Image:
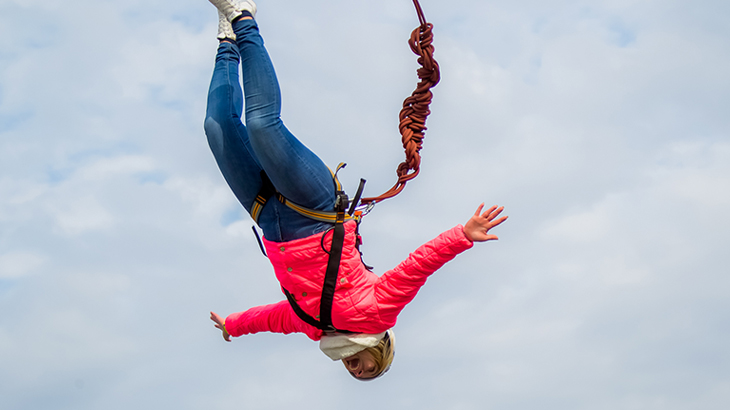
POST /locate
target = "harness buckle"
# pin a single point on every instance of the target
(341, 202)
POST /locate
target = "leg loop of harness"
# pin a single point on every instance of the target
(268, 190)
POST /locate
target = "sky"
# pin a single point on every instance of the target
(601, 126)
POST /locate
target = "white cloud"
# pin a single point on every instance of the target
(18, 264)
(585, 226)
(80, 215)
(209, 198)
(106, 168)
(696, 172)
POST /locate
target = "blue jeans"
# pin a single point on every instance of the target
(264, 143)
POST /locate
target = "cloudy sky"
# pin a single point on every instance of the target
(602, 126)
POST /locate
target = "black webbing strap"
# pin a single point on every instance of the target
(333, 263)
(301, 313)
(258, 239)
(356, 199)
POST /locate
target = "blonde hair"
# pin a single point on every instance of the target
(383, 354)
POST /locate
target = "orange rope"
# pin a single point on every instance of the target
(416, 107)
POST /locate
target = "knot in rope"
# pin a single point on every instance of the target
(416, 107)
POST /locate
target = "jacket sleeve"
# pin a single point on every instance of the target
(397, 287)
(277, 318)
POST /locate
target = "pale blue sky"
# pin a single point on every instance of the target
(600, 125)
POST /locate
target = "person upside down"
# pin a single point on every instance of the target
(263, 153)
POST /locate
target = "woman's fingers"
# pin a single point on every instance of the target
(499, 221)
(479, 210)
(488, 211)
(220, 325)
(493, 212)
(216, 318)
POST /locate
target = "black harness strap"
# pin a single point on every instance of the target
(301, 313)
(333, 263)
(258, 239)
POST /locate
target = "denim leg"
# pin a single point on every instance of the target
(294, 170)
(227, 136)
(232, 148)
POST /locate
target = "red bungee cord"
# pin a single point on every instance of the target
(416, 107)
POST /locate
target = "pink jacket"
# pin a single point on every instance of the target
(364, 302)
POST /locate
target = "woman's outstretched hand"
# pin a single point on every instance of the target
(478, 226)
(220, 323)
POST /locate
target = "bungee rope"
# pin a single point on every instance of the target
(415, 108)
